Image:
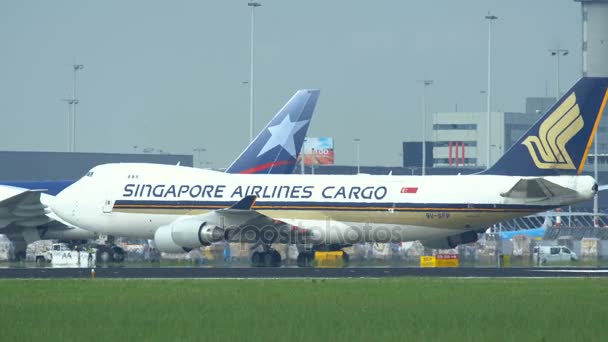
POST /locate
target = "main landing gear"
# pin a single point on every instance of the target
(268, 258)
(111, 253)
(305, 258)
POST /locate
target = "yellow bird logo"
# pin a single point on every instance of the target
(548, 149)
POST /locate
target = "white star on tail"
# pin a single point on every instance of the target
(282, 135)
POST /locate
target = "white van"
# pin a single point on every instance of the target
(554, 253)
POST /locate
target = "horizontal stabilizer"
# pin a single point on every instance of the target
(245, 204)
(537, 189)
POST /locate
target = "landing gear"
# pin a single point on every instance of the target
(17, 251)
(345, 258)
(107, 254)
(305, 258)
(19, 256)
(103, 254)
(269, 258)
(40, 261)
(118, 254)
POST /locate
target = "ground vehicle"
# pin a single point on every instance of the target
(553, 253)
(61, 255)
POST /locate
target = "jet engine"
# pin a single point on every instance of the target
(451, 241)
(184, 235)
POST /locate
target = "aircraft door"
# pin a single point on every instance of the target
(107, 205)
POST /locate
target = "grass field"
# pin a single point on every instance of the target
(313, 310)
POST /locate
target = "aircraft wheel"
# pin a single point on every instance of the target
(118, 254)
(345, 258)
(20, 256)
(104, 255)
(275, 258)
(305, 259)
(256, 259)
(40, 261)
(267, 259)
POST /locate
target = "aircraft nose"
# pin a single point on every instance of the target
(64, 204)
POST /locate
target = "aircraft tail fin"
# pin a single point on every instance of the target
(559, 142)
(276, 148)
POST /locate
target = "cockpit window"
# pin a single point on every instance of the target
(90, 174)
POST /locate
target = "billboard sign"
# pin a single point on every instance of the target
(318, 151)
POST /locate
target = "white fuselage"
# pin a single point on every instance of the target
(134, 200)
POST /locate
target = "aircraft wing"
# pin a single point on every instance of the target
(241, 217)
(24, 215)
(537, 189)
(23, 209)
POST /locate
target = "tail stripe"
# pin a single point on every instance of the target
(595, 126)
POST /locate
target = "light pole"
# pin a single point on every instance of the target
(302, 155)
(70, 102)
(490, 18)
(483, 99)
(557, 53)
(357, 151)
(253, 5)
(425, 84)
(75, 67)
(312, 161)
(198, 150)
(596, 222)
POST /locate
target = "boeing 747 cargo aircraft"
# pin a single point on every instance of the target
(183, 208)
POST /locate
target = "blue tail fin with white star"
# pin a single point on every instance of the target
(275, 150)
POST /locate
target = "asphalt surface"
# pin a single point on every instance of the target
(287, 272)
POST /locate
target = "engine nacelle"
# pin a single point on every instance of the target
(184, 235)
(451, 241)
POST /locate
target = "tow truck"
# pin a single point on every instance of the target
(60, 255)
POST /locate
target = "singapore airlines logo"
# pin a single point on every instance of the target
(548, 149)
